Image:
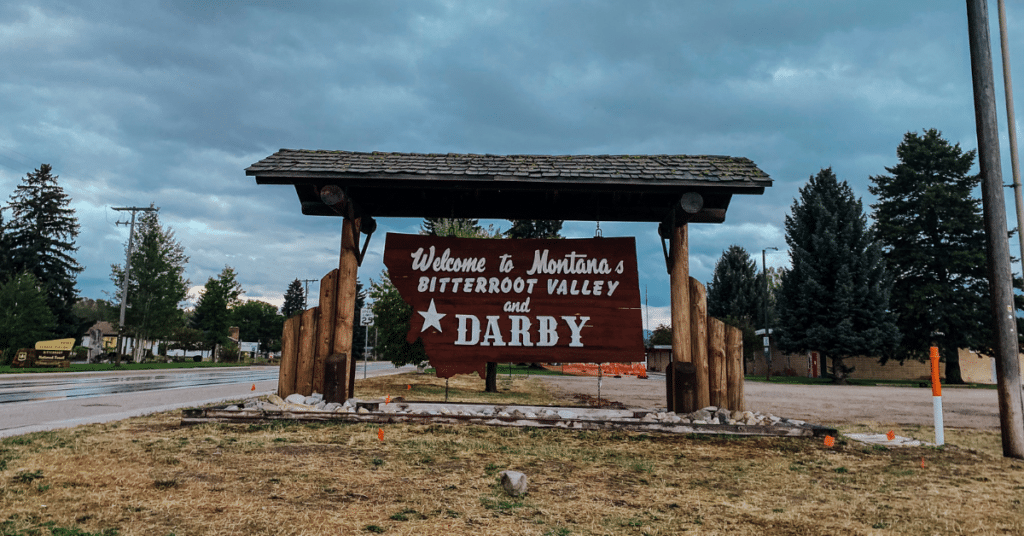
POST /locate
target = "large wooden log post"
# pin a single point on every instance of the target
(304, 366)
(324, 330)
(734, 367)
(289, 357)
(699, 342)
(683, 399)
(345, 304)
(717, 378)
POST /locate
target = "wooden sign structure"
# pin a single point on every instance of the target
(55, 353)
(673, 190)
(518, 301)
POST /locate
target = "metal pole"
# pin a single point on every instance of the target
(1011, 413)
(767, 336)
(127, 271)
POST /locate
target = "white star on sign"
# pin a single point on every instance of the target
(431, 317)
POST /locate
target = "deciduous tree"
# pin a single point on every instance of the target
(835, 299)
(258, 321)
(391, 318)
(212, 315)
(25, 317)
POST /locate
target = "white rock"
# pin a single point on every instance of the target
(295, 398)
(514, 482)
(566, 414)
(362, 411)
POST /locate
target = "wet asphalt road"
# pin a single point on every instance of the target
(56, 386)
(35, 402)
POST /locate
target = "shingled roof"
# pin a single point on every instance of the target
(573, 187)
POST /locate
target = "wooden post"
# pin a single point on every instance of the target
(345, 304)
(717, 378)
(679, 283)
(1000, 276)
(304, 366)
(699, 342)
(324, 329)
(734, 368)
(289, 357)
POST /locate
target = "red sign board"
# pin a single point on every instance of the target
(518, 301)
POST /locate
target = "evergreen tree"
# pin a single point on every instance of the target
(212, 314)
(733, 290)
(5, 269)
(294, 299)
(933, 236)
(156, 281)
(460, 227)
(835, 299)
(40, 239)
(534, 229)
(25, 317)
(736, 295)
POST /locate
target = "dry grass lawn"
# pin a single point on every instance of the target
(149, 476)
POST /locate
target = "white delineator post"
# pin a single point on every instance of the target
(936, 396)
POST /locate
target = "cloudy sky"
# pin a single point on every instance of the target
(141, 102)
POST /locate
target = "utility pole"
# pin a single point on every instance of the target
(127, 271)
(1011, 413)
(305, 293)
(767, 332)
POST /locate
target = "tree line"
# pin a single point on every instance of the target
(913, 278)
(38, 279)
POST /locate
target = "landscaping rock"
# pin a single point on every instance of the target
(295, 399)
(514, 482)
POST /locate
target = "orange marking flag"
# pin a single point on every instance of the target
(890, 435)
(380, 434)
(829, 441)
(253, 387)
(387, 400)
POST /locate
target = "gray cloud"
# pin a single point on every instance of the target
(168, 102)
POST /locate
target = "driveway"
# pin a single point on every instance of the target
(820, 404)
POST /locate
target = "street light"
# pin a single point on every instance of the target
(767, 332)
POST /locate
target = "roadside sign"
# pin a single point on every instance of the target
(366, 316)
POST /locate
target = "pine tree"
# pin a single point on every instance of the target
(294, 299)
(25, 318)
(933, 236)
(534, 229)
(460, 227)
(40, 239)
(733, 290)
(735, 295)
(212, 314)
(835, 299)
(156, 281)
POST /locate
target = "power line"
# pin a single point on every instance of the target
(305, 293)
